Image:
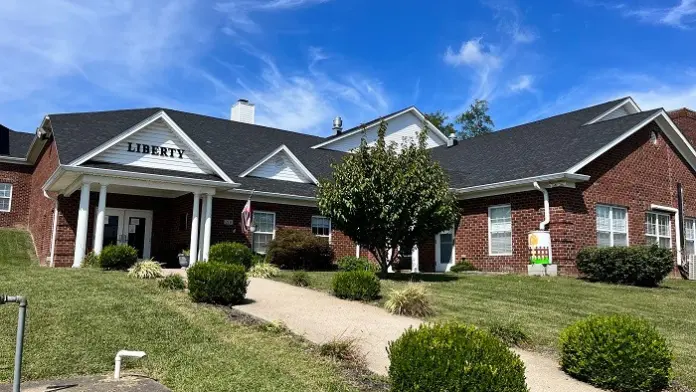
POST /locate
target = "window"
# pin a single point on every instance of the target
(612, 226)
(657, 230)
(5, 197)
(321, 227)
(265, 230)
(500, 230)
(690, 235)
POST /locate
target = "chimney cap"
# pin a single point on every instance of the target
(244, 100)
(338, 125)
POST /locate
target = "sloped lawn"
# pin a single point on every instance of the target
(79, 319)
(544, 306)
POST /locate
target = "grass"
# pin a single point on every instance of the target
(544, 306)
(78, 319)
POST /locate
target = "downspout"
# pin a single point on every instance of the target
(547, 208)
(54, 229)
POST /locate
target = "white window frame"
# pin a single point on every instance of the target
(490, 237)
(657, 229)
(611, 223)
(690, 222)
(311, 226)
(9, 203)
(253, 220)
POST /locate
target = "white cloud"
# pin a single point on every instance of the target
(510, 21)
(474, 54)
(523, 83)
(681, 15)
(240, 13)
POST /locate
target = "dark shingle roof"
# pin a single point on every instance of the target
(365, 125)
(14, 144)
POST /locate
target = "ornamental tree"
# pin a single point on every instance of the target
(387, 198)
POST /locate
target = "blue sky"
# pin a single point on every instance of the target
(302, 62)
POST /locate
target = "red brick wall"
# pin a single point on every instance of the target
(685, 119)
(20, 178)
(41, 211)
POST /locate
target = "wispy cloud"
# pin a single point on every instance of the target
(241, 13)
(523, 83)
(681, 15)
(511, 21)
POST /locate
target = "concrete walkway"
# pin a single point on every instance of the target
(320, 317)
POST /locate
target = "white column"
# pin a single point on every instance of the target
(390, 269)
(414, 260)
(208, 211)
(357, 250)
(193, 249)
(201, 228)
(99, 228)
(81, 232)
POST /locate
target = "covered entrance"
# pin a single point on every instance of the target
(130, 227)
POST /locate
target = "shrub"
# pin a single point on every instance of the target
(511, 334)
(453, 357)
(300, 278)
(264, 270)
(356, 285)
(146, 269)
(463, 266)
(618, 352)
(276, 327)
(293, 249)
(91, 260)
(352, 263)
(257, 259)
(231, 253)
(217, 283)
(173, 282)
(413, 300)
(342, 350)
(118, 257)
(633, 265)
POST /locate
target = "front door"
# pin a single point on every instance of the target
(131, 227)
(444, 251)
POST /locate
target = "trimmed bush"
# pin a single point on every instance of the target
(356, 285)
(634, 265)
(118, 257)
(511, 334)
(217, 283)
(294, 249)
(91, 260)
(413, 300)
(455, 358)
(352, 263)
(300, 278)
(231, 253)
(173, 282)
(619, 352)
(146, 269)
(257, 259)
(263, 270)
(463, 266)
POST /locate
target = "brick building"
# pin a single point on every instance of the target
(163, 180)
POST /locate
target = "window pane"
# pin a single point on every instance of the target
(4, 204)
(321, 226)
(689, 247)
(663, 225)
(603, 239)
(264, 222)
(603, 221)
(650, 240)
(689, 229)
(618, 220)
(446, 248)
(620, 240)
(501, 243)
(665, 243)
(261, 242)
(650, 224)
(501, 219)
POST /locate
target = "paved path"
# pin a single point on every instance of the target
(320, 317)
(91, 384)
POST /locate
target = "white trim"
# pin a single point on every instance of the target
(677, 232)
(490, 244)
(292, 156)
(657, 234)
(413, 109)
(14, 160)
(9, 203)
(611, 223)
(161, 115)
(453, 257)
(633, 108)
(273, 234)
(311, 226)
(558, 179)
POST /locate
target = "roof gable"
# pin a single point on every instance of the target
(281, 164)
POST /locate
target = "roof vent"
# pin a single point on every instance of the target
(243, 111)
(337, 125)
(452, 140)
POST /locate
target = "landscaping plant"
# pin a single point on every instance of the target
(633, 265)
(173, 282)
(511, 334)
(263, 270)
(342, 349)
(217, 283)
(91, 260)
(118, 257)
(463, 266)
(300, 278)
(356, 285)
(619, 352)
(455, 358)
(352, 263)
(295, 249)
(231, 253)
(146, 269)
(413, 300)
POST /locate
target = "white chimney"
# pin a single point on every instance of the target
(243, 111)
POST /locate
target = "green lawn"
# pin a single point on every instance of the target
(78, 319)
(543, 306)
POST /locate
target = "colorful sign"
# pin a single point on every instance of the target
(540, 247)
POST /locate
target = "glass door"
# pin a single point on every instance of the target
(137, 231)
(444, 251)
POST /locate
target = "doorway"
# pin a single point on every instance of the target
(444, 251)
(129, 227)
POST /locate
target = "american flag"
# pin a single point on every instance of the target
(246, 216)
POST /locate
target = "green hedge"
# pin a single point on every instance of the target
(455, 358)
(294, 249)
(118, 257)
(231, 253)
(352, 263)
(633, 265)
(356, 285)
(619, 352)
(217, 283)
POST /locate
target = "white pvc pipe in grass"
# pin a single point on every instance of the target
(125, 353)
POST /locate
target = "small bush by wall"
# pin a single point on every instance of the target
(217, 283)
(619, 352)
(352, 263)
(91, 260)
(173, 282)
(294, 249)
(633, 265)
(453, 357)
(463, 266)
(146, 269)
(231, 253)
(356, 285)
(118, 257)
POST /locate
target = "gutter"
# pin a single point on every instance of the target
(547, 208)
(563, 176)
(14, 160)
